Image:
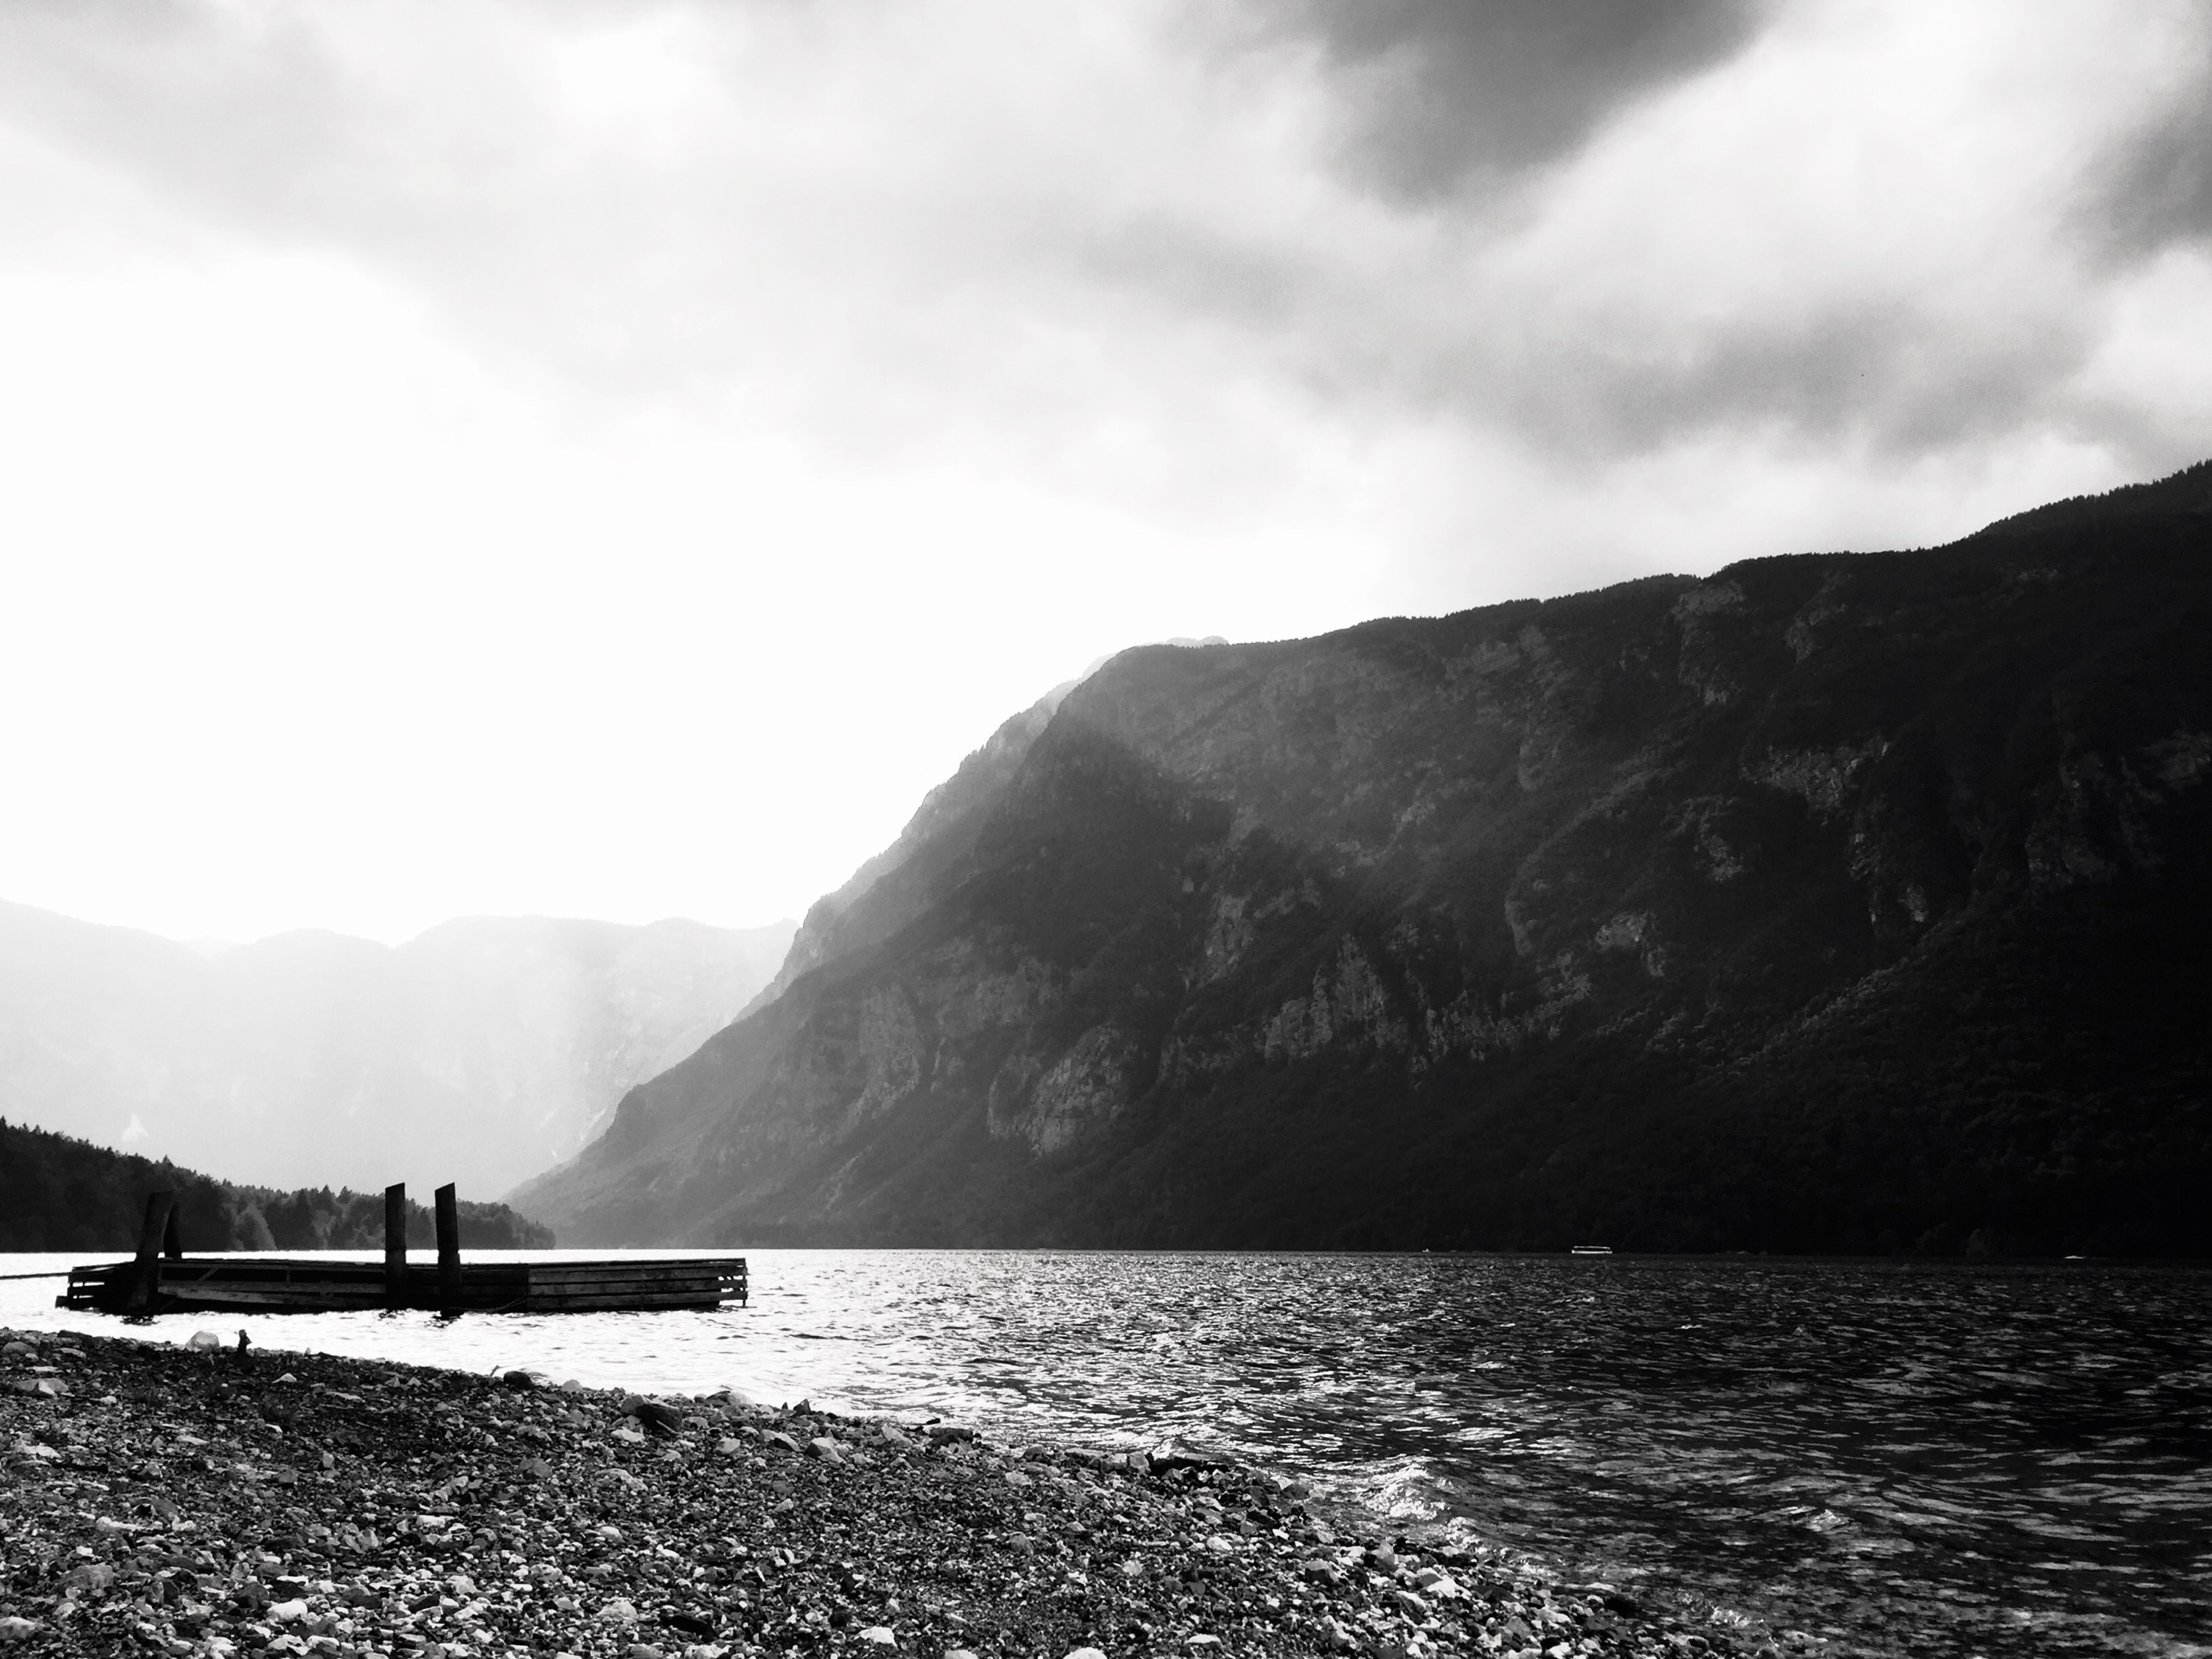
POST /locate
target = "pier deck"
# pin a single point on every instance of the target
(313, 1284)
(163, 1279)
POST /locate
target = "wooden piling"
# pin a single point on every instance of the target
(173, 1242)
(395, 1245)
(449, 1251)
(146, 1268)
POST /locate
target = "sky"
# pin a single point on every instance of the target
(567, 457)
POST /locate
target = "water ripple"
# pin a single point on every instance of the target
(2005, 1459)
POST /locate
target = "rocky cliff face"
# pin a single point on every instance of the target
(1835, 901)
(479, 1053)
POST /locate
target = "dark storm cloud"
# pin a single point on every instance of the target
(1440, 93)
(1586, 229)
(1872, 377)
(2159, 190)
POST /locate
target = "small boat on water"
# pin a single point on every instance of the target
(1591, 1249)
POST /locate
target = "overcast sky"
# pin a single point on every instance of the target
(610, 459)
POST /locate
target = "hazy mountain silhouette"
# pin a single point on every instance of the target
(478, 1053)
(1833, 901)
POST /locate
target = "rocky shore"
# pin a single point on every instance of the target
(158, 1500)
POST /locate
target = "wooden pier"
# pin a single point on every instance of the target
(162, 1278)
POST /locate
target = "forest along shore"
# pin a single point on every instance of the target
(159, 1499)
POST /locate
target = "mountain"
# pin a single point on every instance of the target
(58, 1193)
(479, 1053)
(1833, 901)
(870, 907)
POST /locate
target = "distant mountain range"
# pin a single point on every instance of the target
(479, 1053)
(1830, 902)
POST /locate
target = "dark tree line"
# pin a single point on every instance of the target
(57, 1192)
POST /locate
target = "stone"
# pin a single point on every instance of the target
(880, 1636)
(15, 1629)
(827, 1449)
(204, 1342)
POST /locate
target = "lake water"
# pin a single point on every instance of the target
(1956, 1458)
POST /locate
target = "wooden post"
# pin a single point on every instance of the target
(449, 1251)
(395, 1245)
(146, 1270)
(173, 1244)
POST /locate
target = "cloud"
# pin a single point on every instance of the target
(434, 425)
(1438, 93)
(2153, 188)
(1849, 229)
(1116, 256)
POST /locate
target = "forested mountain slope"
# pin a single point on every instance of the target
(57, 1192)
(1835, 902)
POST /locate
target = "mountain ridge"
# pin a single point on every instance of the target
(1449, 930)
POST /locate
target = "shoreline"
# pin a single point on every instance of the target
(161, 1500)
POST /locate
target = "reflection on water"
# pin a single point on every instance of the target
(2006, 1459)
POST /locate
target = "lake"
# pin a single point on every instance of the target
(1897, 1458)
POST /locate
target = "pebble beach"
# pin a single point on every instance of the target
(160, 1499)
